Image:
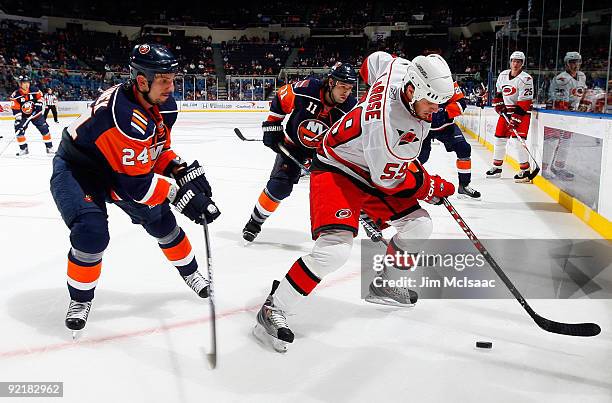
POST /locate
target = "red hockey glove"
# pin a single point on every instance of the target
(434, 189)
(498, 104)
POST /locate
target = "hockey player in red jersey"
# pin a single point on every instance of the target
(368, 161)
(512, 102)
(120, 153)
(312, 106)
(27, 107)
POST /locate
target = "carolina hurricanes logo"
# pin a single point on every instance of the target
(577, 92)
(344, 213)
(88, 198)
(310, 132)
(508, 90)
(27, 107)
(407, 137)
(144, 49)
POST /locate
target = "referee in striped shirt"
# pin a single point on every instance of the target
(50, 104)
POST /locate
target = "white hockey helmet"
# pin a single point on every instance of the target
(431, 78)
(517, 54)
(569, 56)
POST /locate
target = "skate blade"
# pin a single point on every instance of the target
(375, 299)
(76, 335)
(466, 197)
(493, 176)
(269, 341)
(526, 180)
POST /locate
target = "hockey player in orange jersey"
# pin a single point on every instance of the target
(27, 107)
(120, 153)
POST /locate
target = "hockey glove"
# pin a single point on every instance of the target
(434, 189)
(194, 205)
(273, 134)
(194, 175)
(498, 104)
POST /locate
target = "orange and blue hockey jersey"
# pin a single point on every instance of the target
(27, 103)
(309, 116)
(448, 111)
(127, 144)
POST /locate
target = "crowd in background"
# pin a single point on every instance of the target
(78, 64)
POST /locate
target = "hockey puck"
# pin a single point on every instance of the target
(484, 344)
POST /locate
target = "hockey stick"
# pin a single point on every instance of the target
(212, 355)
(569, 329)
(21, 132)
(535, 172)
(241, 136)
(369, 226)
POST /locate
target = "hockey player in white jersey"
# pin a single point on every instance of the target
(567, 91)
(367, 161)
(568, 87)
(513, 98)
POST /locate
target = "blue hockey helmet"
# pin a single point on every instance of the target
(343, 72)
(151, 59)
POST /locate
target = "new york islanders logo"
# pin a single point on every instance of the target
(508, 90)
(144, 49)
(407, 137)
(27, 107)
(310, 132)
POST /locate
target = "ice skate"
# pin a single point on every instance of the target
(272, 328)
(494, 172)
(382, 293)
(562, 174)
(50, 150)
(467, 192)
(22, 152)
(76, 318)
(251, 230)
(197, 283)
(522, 177)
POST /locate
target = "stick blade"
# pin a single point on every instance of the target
(239, 134)
(568, 329)
(534, 173)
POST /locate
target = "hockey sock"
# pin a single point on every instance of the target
(83, 274)
(499, 150)
(523, 156)
(297, 284)
(265, 206)
(178, 251)
(464, 171)
(47, 139)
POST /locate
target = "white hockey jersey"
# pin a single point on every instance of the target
(377, 142)
(567, 91)
(516, 91)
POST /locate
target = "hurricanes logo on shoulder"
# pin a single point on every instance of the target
(407, 137)
(88, 198)
(344, 213)
(508, 90)
(310, 132)
(144, 49)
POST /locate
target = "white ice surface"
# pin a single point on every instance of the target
(147, 333)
